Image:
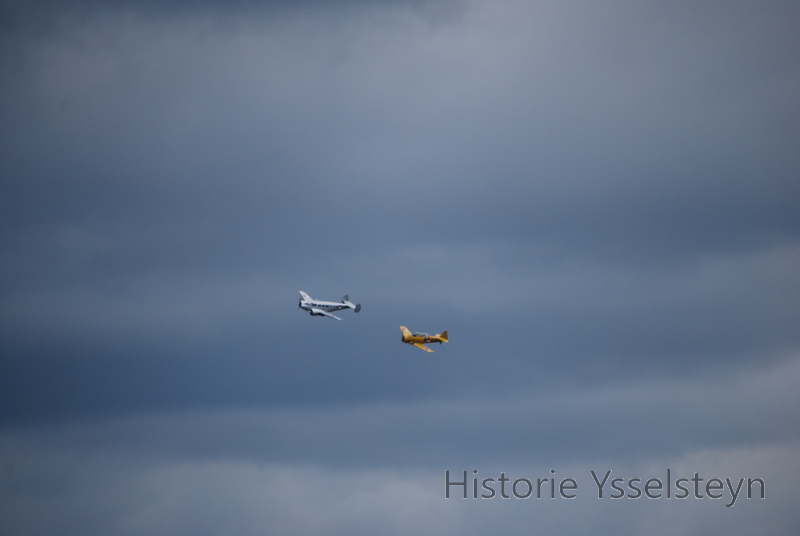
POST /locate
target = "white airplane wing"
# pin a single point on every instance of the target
(305, 296)
(321, 312)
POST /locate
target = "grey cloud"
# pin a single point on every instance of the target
(363, 468)
(597, 201)
(216, 338)
(631, 420)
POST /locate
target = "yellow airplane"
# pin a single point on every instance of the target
(419, 339)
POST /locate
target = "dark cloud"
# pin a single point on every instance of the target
(598, 203)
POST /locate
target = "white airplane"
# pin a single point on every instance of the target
(322, 308)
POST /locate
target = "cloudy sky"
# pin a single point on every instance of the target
(598, 201)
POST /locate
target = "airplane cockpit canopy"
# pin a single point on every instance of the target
(420, 334)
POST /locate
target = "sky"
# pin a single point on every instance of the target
(598, 202)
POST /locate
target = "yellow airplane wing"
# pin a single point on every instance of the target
(420, 345)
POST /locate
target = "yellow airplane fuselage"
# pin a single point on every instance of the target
(421, 339)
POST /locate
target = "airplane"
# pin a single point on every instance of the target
(322, 308)
(420, 339)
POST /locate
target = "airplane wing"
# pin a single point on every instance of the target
(321, 312)
(420, 345)
(305, 296)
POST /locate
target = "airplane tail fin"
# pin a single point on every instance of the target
(346, 301)
(443, 336)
